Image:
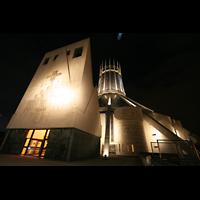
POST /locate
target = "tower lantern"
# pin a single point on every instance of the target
(110, 78)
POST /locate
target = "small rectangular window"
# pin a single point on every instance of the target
(78, 52)
(127, 147)
(47, 135)
(132, 148)
(68, 52)
(23, 151)
(119, 147)
(27, 142)
(46, 61)
(29, 134)
(55, 57)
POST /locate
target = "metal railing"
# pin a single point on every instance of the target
(182, 152)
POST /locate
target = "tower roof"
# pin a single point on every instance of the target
(110, 78)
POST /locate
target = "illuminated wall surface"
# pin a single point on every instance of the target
(133, 131)
(129, 131)
(61, 93)
(132, 127)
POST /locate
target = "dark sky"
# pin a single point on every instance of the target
(160, 70)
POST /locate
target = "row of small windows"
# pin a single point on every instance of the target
(129, 148)
(77, 53)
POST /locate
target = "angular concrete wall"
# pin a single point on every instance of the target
(155, 130)
(160, 127)
(182, 132)
(128, 130)
(164, 120)
(61, 93)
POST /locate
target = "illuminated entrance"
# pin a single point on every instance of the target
(35, 143)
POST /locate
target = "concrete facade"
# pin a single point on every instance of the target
(135, 130)
(62, 103)
(61, 93)
(129, 132)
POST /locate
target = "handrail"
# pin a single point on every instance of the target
(191, 157)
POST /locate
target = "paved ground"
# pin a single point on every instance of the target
(12, 160)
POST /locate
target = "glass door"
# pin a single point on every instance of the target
(34, 147)
(35, 143)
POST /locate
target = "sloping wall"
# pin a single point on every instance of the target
(61, 93)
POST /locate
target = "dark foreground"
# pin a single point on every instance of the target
(13, 160)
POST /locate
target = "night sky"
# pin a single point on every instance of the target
(159, 70)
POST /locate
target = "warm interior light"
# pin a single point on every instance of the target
(29, 133)
(132, 146)
(39, 134)
(33, 147)
(47, 135)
